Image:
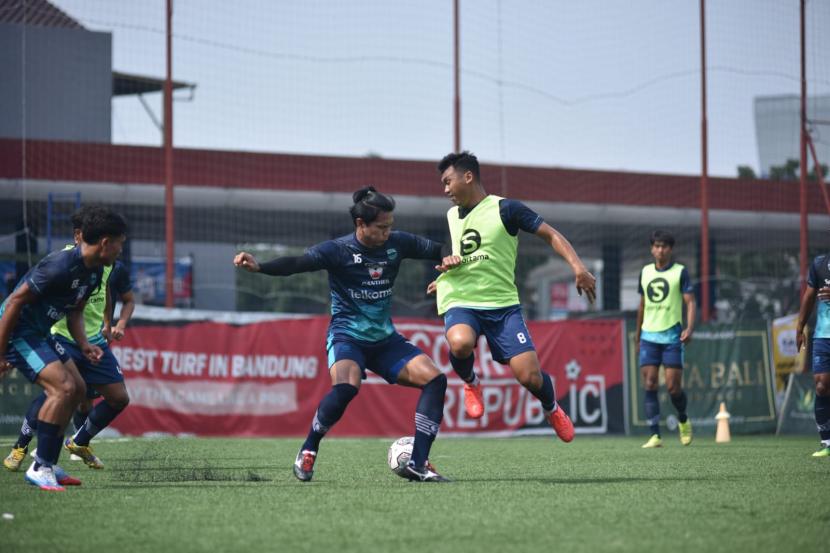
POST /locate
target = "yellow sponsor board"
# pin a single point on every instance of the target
(785, 357)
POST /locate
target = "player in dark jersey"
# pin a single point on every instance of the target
(362, 268)
(58, 286)
(103, 378)
(818, 287)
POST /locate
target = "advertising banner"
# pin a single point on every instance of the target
(798, 410)
(785, 356)
(723, 363)
(266, 379)
(15, 395)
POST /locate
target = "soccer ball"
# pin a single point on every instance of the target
(399, 453)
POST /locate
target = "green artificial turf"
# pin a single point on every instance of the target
(514, 494)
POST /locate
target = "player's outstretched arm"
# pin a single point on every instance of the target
(808, 301)
(585, 281)
(14, 306)
(281, 266)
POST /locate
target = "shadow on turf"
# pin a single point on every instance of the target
(154, 466)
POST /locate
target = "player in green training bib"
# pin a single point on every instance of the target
(664, 288)
(476, 291)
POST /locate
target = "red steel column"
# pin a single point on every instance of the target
(457, 77)
(802, 189)
(168, 162)
(704, 175)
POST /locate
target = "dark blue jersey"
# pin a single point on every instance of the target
(817, 278)
(515, 216)
(361, 281)
(61, 282)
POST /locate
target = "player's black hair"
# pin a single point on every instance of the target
(368, 203)
(99, 221)
(465, 161)
(77, 218)
(662, 236)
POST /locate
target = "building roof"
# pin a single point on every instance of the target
(39, 13)
(124, 84)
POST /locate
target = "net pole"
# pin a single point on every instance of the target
(168, 161)
(704, 173)
(802, 189)
(456, 78)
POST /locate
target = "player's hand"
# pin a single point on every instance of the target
(448, 263)
(799, 339)
(117, 332)
(824, 293)
(246, 261)
(686, 335)
(92, 352)
(106, 332)
(587, 283)
(431, 288)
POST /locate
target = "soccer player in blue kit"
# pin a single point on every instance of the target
(102, 378)
(818, 287)
(57, 286)
(362, 268)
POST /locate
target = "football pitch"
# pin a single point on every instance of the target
(514, 494)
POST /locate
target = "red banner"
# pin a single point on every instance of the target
(266, 379)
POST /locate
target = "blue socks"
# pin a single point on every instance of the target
(652, 409)
(98, 419)
(49, 438)
(545, 394)
(78, 419)
(428, 416)
(464, 367)
(822, 409)
(27, 431)
(331, 408)
(679, 402)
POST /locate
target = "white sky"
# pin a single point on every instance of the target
(587, 84)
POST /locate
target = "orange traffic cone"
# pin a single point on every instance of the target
(722, 435)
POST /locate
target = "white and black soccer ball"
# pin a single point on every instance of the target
(399, 453)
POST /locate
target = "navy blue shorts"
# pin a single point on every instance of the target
(106, 371)
(30, 353)
(821, 355)
(504, 329)
(385, 358)
(668, 355)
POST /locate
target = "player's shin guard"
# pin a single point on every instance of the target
(546, 394)
(428, 416)
(29, 427)
(822, 410)
(48, 444)
(652, 411)
(99, 418)
(331, 408)
(464, 367)
(679, 401)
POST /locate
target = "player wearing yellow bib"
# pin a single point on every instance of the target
(664, 288)
(476, 291)
(103, 378)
